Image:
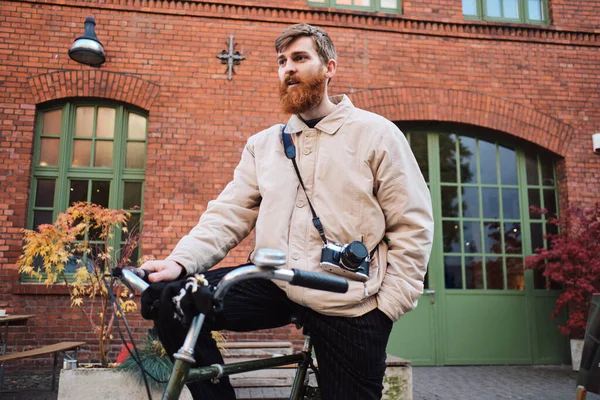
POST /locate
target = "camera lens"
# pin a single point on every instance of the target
(354, 255)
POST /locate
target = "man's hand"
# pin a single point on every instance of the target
(162, 270)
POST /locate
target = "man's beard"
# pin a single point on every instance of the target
(305, 96)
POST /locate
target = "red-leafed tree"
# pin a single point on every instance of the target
(573, 261)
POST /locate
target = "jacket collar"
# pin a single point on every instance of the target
(331, 123)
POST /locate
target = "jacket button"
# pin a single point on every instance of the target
(300, 204)
(306, 151)
(295, 256)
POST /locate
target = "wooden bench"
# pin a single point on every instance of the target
(50, 349)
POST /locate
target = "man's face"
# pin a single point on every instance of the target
(302, 77)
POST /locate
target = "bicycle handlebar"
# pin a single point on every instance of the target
(318, 281)
(136, 278)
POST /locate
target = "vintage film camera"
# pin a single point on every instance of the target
(350, 261)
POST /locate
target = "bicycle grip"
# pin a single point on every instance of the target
(319, 281)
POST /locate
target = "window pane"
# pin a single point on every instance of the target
(468, 160)
(492, 237)
(135, 155)
(41, 217)
(44, 194)
(136, 127)
(51, 122)
(49, 152)
(534, 200)
(135, 256)
(550, 202)
(84, 121)
(493, 8)
(82, 151)
(532, 171)
(104, 153)
(451, 235)
(510, 8)
(418, 144)
(547, 172)
(105, 127)
(487, 157)
(389, 4)
(494, 274)
(535, 10)
(449, 201)
(491, 207)
(508, 166)
(100, 193)
(537, 236)
(78, 191)
(363, 3)
(510, 204)
(539, 280)
(448, 158)
(470, 202)
(473, 273)
(452, 272)
(472, 237)
(132, 195)
(514, 274)
(133, 225)
(469, 7)
(512, 238)
(344, 2)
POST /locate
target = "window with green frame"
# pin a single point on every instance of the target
(88, 151)
(519, 11)
(485, 189)
(391, 6)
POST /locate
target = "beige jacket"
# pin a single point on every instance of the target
(363, 182)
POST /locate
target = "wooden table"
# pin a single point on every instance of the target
(7, 321)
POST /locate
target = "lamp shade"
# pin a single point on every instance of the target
(87, 49)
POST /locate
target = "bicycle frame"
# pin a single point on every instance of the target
(183, 374)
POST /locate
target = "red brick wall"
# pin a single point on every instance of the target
(535, 83)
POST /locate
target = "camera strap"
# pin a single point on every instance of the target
(290, 152)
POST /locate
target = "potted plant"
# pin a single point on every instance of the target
(572, 260)
(80, 240)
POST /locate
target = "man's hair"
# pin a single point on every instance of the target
(322, 41)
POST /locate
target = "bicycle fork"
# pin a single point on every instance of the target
(184, 359)
(301, 378)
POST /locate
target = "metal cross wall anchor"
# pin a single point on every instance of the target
(230, 58)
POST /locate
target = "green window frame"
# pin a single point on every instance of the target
(516, 11)
(386, 6)
(88, 151)
(482, 190)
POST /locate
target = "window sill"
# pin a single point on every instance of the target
(39, 289)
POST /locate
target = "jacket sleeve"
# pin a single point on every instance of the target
(226, 222)
(406, 203)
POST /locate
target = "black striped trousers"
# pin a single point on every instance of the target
(350, 351)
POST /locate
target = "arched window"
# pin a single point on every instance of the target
(484, 188)
(88, 151)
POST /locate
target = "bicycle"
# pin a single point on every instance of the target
(266, 263)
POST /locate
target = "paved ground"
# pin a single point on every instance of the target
(495, 382)
(430, 383)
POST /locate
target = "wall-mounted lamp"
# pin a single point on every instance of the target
(596, 142)
(87, 49)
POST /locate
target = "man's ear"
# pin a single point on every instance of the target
(330, 68)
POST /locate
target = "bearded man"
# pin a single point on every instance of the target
(361, 178)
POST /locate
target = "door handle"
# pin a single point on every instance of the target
(431, 294)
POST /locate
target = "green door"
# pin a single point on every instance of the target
(480, 306)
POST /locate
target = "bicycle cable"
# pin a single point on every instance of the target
(136, 357)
